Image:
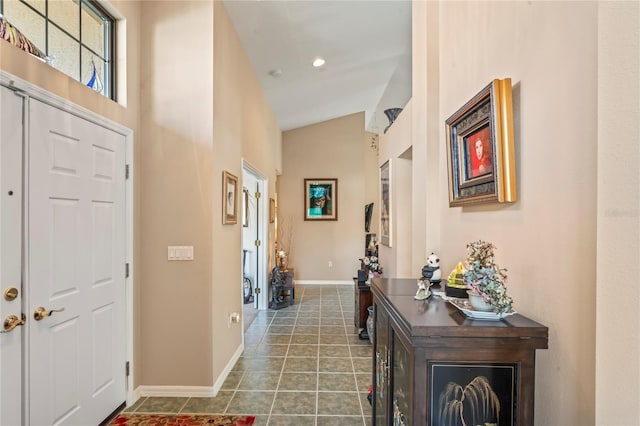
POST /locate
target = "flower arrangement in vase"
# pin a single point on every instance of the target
(371, 266)
(484, 278)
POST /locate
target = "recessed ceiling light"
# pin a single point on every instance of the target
(318, 62)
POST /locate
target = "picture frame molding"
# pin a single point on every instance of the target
(333, 185)
(492, 109)
(229, 198)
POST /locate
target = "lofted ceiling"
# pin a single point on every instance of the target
(366, 45)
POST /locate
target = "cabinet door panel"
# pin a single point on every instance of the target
(381, 372)
(401, 383)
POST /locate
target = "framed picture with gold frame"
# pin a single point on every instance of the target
(229, 198)
(480, 148)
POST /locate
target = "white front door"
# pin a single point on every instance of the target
(11, 135)
(75, 257)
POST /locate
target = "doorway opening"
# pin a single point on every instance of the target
(254, 242)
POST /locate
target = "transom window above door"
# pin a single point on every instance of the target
(77, 37)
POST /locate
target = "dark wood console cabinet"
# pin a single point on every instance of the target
(430, 362)
(363, 300)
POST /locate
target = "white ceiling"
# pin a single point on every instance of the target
(366, 45)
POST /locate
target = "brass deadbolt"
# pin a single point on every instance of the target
(10, 294)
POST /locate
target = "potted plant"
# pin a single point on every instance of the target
(485, 279)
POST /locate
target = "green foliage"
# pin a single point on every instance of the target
(484, 277)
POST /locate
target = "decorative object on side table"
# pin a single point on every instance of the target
(423, 290)
(370, 324)
(371, 267)
(431, 271)
(282, 258)
(455, 286)
(485, 278)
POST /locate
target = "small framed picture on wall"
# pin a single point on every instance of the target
(229, 198)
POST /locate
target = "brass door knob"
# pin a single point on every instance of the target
(41, 313)
(12, 322)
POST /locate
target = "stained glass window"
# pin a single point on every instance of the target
(76, 37)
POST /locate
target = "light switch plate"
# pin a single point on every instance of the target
(180, 253)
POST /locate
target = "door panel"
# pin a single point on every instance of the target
(76, 262)
(11, 136)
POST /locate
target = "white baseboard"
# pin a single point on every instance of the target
(227, 369)
(189, 391)
(322, 282)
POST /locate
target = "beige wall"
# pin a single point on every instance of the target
(203, 112)
(244, 127)
(333, 149)
(617, 316)
(176, 192)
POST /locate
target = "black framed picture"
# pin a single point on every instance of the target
(368, 211)
(472, 393)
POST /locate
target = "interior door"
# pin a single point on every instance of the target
(75, 268)
(256, 224)
(11, 137)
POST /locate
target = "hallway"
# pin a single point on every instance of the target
(302, 365)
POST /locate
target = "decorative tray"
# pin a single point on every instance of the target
(465, 307)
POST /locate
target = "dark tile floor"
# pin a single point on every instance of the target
(302, 365)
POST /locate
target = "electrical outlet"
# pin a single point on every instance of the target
(330, 264)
